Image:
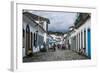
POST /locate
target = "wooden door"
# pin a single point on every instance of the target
(27, 39)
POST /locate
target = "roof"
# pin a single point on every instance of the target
(81, 19)
(31, 18)
(36, 17)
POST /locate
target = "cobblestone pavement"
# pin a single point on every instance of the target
(58, 55)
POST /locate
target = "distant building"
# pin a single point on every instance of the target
(80, 37)
(50, 41)
(34, 33)
(58, 38)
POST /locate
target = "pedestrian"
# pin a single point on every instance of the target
(68, 46)
(54, 46)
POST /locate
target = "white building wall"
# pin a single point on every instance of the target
(85, 26)
(33, 29)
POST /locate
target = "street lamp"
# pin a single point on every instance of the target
(72, 28)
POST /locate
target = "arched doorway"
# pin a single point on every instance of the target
(28, 51)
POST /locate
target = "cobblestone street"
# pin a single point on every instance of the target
(58, 55)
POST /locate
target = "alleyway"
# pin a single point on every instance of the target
(57, 55)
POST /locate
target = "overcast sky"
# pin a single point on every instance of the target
(59, 21)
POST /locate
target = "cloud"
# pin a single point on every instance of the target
(59, 21)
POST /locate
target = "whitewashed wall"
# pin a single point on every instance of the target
(85, 26)
(33, 29)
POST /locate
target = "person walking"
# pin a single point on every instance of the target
(54, 46)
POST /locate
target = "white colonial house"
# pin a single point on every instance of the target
(34, 33)
(79, 38)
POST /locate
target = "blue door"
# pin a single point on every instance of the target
(89, 43)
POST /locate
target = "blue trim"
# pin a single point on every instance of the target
(89, 43)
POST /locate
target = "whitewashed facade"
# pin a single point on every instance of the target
(79, 40)
(80, 32)
(34, 33)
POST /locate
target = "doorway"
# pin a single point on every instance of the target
(28, 41)
(89, 43)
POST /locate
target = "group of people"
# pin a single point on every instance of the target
(59, 46)
(55, 46)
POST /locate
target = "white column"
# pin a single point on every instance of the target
(25, 39)
(45, 25)
(76, 42)
(83, 38)
(45, 37)
(86, 42)
(80, 40)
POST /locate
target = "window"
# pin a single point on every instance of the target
(27, 28)
(35, 39)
